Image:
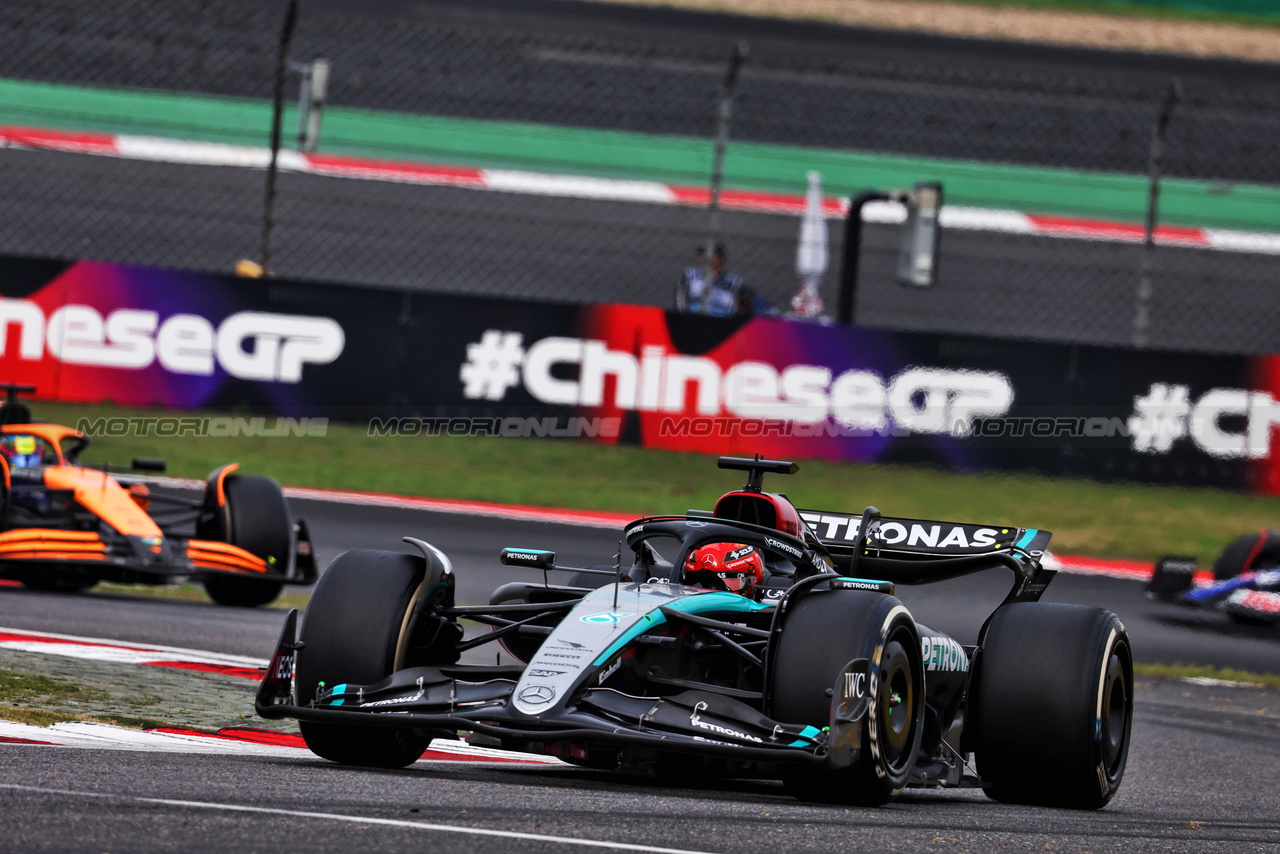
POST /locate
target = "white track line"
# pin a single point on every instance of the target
(559, 516)
(353, 819)
(101, 736)
(96, 736)
(1062, 563)
(99, 649)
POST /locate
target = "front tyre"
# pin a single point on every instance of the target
(823, 633)
(49, 579)
(1051, 703)
(352, 634)
(256, 518)
(242, 592)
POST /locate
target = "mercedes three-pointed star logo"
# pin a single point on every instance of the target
(536, 695)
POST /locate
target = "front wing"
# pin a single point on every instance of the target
(121, 555)
(477, 699)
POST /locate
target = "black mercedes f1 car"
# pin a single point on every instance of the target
(756, 639)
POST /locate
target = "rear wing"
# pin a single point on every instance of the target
(920, 538)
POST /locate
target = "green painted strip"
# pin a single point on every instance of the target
(1243, 11)
(669, 159)
(1261, 8)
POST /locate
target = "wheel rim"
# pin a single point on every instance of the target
(1115, 710)
(896, 704)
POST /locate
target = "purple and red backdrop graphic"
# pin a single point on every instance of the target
(89, 332)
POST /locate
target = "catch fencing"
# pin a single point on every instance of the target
(520, 151)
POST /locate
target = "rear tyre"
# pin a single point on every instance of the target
(823, 632)
(1258, 550)
(352, 634)
(1051, 702)
(255, 518)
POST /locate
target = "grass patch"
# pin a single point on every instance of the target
(1198, 671)
(131, 722)
(1120, 520)
(19, 687)
(44, 717)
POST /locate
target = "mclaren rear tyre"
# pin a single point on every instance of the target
(352, 634)
(255, 518)
(824, 631)
(1051, 703)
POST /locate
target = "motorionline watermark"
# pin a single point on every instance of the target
(1013, 427)
(213, 426)
(1046, 427)
(510, 426)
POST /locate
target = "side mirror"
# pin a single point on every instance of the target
(148, 464)
(535, 558)
(918, 256)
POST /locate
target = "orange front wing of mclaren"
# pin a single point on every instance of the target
(46, 544)
(211, 554)
(51, 544)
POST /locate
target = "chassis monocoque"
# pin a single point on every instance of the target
(820, 678)
(65, 526)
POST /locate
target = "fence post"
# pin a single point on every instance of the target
(277, 114)
(845, 311)
(1142, 309)
(312, 92)
(724, 117)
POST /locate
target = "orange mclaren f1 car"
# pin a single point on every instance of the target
(66, 526)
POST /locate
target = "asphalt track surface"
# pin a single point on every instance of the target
(1160, 633)
(1192, 784)
(453, 240)
(1200, 755)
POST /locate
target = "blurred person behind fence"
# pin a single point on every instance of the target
(727, 295)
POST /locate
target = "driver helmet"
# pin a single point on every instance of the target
(22, 450)
(737, 567)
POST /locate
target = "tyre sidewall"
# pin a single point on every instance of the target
(1035, 697)
(822, 634)
(258, 519)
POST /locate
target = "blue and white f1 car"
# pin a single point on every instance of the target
(1246, 580)
(752, 640)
